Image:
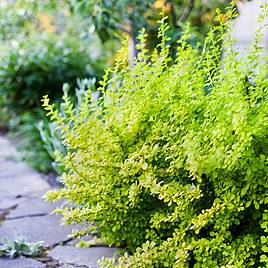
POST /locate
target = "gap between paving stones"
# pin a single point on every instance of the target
(50, 262)
(26, 216)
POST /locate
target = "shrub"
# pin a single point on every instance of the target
(38, 65)
(172, 161)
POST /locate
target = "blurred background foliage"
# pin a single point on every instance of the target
(114, 17)
(44, 44)
(38, 65)
(42, 47)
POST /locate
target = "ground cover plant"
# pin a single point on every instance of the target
(20, 247)
(171, 163)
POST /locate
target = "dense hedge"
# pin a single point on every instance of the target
(172, 161)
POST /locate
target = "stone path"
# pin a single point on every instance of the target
(24, 214)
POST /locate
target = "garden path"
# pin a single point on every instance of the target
(24, 214)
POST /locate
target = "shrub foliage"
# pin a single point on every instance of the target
(171, 163)
(39, 64)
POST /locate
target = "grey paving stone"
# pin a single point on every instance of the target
(20, 263)
(13, 168)
(8, 202)
(67, 266)
(30, 207)
(23, 185)
(7, 149)
(81, 256)
(42, 228)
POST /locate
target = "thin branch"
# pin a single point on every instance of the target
(173, 15)
(121, 28)
(187, 11)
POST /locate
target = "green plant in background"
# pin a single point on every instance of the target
(19, 18)
(43, 46)
(131, 16)
(51, 144)
(171, 163)
(39, 65)
(3, 116)
(20, 247)
(15, 18)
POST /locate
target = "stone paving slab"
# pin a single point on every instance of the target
(8, 202)
(41, 228)
(81, 256)
(67, 266)
(20, 263)
(12, 168)
(23, 185)
(37, 206)
(6, 148)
